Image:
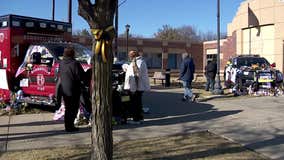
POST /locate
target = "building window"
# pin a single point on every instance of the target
(173, 61)
(153, 60)
(122, 56)
(210, 57)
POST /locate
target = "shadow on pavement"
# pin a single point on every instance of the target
(164, 104)
(37, 123)
(168, 108)
(270, 142)
(275, 141)
(165, 109)
(44, 134)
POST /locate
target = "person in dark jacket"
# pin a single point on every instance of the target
(187, 70)
(210, 73)
(71, 73)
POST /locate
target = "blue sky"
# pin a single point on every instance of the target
(144, 16)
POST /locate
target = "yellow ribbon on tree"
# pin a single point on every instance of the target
(103, 39)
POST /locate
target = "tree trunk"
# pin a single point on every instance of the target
(102, 112)
(100, 16)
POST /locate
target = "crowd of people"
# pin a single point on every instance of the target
(72, 90)
(136, 82)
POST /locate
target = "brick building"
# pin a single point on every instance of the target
(159, 54)
(227, 50)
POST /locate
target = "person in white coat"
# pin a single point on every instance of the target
(136, 82)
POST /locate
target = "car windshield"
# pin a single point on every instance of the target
(249, 61)
(82, 54)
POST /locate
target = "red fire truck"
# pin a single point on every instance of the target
(17, 33)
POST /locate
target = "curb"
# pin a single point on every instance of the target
(207, 98)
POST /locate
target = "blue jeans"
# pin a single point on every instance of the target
(210, 83)
(187, 88)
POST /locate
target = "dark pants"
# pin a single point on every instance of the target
(136, 105)
(58, 94)
(71, 110)
(210, 83)
(85, 100)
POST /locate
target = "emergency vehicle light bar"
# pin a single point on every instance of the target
(15, 21)
(4, 24)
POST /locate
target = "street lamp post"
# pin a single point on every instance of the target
(218, 88)
(116, 30)
(127, 26)
(70, 11)
(116, 26)
(53, 9)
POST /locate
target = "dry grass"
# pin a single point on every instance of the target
(200, 145)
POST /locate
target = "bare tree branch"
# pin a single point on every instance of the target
(99, 13)
(86, 10)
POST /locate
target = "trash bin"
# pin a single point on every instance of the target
(168, 77)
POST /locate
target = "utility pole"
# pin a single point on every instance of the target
(116, 27)
(218, 88)
(70, 11)
(53, 9)
(116, 31)
(127, 26)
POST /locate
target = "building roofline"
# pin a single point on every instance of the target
(214, 41)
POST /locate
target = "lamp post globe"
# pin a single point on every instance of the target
(127, 27)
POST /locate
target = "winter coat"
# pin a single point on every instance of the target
(71, 74)
(130, 82)
(187, 70)
(211, 70)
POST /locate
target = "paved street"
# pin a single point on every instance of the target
(256, 122)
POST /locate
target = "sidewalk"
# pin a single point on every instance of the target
(168, 115)
(32, 131)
